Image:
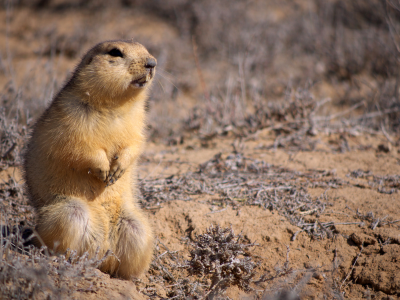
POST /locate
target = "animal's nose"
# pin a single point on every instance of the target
(150, 63)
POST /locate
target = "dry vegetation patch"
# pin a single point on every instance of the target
(218, 259)
(236, 180)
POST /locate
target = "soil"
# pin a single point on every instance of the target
(343, 243)
(333, 261)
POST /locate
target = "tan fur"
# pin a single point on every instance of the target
(80, 165)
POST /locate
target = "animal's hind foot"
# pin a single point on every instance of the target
(68, 224)
(134, 247)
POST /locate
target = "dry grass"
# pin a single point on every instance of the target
(223, 256)
(12, 138)
(387, 184)
(236, 180)
(344, 40)
(218, 259)
(27, 272)
(30, 273)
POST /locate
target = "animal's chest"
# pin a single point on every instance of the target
(113, 132)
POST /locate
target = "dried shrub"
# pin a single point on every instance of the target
(223, 256)
(30, 273)
(12, 138)
(387, 184)
(236, 180)
(218, 259)
(14, 207)
(346, 38)
(350, 37)
(168, 277)
(27, 272)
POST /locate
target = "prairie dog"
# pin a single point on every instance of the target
(80, 163)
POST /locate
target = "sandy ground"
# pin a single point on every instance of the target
(357, 261)
(332, 261)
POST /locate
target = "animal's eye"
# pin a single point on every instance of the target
(115, 52)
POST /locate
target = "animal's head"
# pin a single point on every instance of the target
(113, 71)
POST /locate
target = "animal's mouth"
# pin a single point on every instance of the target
(143, 80)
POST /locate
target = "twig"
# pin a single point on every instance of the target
(349, 223)
(169, 251)
(391, 222)
(158, 257)
(202, 82)
(337, 212)
(165, 271)
(214, 289)
(334, 116)
(308, 212)
(217, 211)
(323, 102)
(377, 114)
(323, 226)
(386, 134)
(352, 267)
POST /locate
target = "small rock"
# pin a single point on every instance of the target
(361, 238)
(384, 148)
(318, 276)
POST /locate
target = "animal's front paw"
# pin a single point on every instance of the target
(116, 171)
(102, 174)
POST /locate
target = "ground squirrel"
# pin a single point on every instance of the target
(80, 163)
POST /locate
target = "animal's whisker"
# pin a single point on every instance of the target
(159, 82)
(169, 80)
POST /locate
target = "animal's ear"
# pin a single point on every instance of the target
(89, 60)
(86, 60)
